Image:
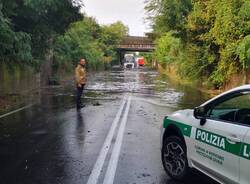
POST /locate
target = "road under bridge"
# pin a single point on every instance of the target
(135, 44)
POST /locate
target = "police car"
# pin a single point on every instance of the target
(214, 138)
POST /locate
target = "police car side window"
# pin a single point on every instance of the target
(235, 109)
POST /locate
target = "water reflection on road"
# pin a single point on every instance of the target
(147, 83)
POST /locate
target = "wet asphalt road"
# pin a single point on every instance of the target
(50, 142)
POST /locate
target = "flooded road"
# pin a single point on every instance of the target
(115, 138)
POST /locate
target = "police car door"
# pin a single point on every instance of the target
(244, 115)
(245, 160)
(218, 142)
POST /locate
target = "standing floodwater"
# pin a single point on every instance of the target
(147, 84)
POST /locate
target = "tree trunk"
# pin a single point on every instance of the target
(245, 76)
(46, 68)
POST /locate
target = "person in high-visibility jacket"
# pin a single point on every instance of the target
(81, 79)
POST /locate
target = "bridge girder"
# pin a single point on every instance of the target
(135, 43)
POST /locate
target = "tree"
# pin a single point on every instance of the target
(80, 41)
(86, 38)
(243, 51)
(168, 49)
(169, 15)
(15, 46)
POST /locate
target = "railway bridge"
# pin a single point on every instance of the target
(135, 44)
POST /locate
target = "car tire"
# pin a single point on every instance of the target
(174, 158)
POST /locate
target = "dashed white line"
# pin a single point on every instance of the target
(17, 110)
(93, 178)
(110, 174)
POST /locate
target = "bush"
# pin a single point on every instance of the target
(168, 49)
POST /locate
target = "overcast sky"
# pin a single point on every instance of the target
(130, 12)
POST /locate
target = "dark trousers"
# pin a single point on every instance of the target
(79, 93)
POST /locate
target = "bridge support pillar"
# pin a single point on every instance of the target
(121, 56)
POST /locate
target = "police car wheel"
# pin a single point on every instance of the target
(174, 158)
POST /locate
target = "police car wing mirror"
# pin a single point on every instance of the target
(199, 113)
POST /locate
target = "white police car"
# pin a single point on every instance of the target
(214, 138)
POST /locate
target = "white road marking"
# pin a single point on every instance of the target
(12, 112)
(93, 178)
(153, 102)
(110, 174)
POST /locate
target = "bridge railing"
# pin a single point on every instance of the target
(139, 46)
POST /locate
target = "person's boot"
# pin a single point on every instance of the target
(80, 106)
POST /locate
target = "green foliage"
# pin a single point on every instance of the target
(168, 49)
(243, 51)
(195, 62)
(149, 58)
(15, 46)
(169, 15)
(112, 34)
(79, 42)
(29, 27)
(217, 36)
